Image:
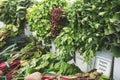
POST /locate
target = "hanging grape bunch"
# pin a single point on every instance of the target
(56, 21)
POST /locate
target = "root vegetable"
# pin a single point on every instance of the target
(34, 76)
(1, 73)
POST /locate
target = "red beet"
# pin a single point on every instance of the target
(64, 78)
(4, 65)
(47, 76)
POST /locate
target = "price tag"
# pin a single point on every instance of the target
(80, 62)
(103, 65)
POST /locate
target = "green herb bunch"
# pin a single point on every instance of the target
(93, 25)
(39, 15)
(14, 11)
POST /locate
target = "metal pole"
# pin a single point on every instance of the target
(112, 69)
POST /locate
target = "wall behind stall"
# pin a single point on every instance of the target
(116, 74)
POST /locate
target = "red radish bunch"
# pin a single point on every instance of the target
(3, 66)
(10, 74)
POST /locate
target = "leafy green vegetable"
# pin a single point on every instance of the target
(14, 11)
(93, 25)
(115, 51)
(38, 17)
(6, 32)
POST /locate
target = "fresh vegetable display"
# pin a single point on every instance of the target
(6, 32)
(6, 53)
(39, 16)
(94, 24)
(44, 63)
(82, 26)
(14, 11)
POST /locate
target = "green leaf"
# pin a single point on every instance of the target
(102, 13)
(90, 40)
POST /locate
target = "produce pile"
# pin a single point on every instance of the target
(82, 26)
(92, 75)
(6, 32)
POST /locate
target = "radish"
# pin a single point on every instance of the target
(34, 76)
(1, 73)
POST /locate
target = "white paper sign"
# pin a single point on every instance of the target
(103, 65)
(1, 24)
(80, 62)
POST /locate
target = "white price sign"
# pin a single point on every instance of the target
(103, 65)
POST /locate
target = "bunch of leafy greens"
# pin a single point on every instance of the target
(6, 32)
(14, 11)
(38, 17)
(95, 25)
(92, 26)
(44, 61)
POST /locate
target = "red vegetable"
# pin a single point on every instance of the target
(64, 78)
(55, 21)
(4, 65)
(1, 73)
(47, 76)
(10, 74)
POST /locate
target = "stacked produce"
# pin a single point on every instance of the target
(42, 60)
(93, 25)
(14, 62)
(6, 32)
(40, 20)
(84, 26)
(14, 11)
(91, 75)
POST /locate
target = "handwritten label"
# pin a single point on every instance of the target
(80, 63)
(103, 65)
